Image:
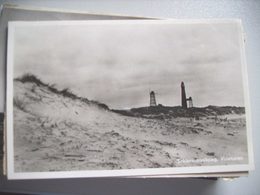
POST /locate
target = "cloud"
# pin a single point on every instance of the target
(119, 64)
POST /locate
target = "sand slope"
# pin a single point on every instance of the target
(53, 132)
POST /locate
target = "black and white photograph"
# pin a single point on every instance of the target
(127, 97)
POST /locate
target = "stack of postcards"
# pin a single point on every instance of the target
(94, 95)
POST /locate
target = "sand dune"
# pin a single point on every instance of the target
(53, 132)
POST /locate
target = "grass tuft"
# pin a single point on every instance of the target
(66, 92)
(30, 78)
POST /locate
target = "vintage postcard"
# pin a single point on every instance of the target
(126, 98)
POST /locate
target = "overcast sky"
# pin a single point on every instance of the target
(119, 63)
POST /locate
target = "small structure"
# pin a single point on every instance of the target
(190, 104)
(152, 99)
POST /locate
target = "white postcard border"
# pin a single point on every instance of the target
(125, 172)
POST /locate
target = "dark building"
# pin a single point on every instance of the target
(183, 96)
(184, 100)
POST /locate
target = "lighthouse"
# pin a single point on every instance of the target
(152, 99)
(183, 96)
